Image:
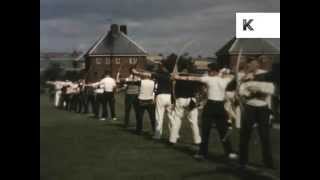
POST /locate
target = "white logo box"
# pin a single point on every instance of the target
(265, 25)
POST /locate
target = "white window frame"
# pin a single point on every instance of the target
(117, 60)
(108, 60)
(133, 60)
(98, 60)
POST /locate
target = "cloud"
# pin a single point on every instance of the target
(160, 26)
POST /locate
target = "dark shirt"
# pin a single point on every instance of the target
(266, 77)
(132, 86)
(135, 83)
(186, 89)
(163, 82)
(232, 85)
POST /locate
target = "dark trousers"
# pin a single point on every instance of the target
(214, 112)
(108, 100)
(73, 103)
(81, 102)
(62, 100)
(145, 105)
(89, 102)
(98, 103)
(275, 108)
(250, 116)
(67, 100)
(131, 100)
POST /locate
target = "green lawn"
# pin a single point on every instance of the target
(77, 147)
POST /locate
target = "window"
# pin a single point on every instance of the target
(117, 60)
(107, 60)
(98, 60)
(133, 60)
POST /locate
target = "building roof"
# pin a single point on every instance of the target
(115, 44)
(249, 46)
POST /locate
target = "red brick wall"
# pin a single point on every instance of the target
(92, 66)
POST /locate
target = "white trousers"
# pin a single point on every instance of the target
(57, 98)
(163, 106)
(180, 112)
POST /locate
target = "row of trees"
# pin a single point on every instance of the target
(56, 72)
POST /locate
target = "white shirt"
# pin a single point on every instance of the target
(146, 90)
(69, 90)
(216, 87)
(132, 78)
(108, 84)
(264, 87)
(99, 90)
(75, 88)
(58, 85)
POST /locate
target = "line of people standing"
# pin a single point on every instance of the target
(152, 92)
(252, 98)
(92, 98)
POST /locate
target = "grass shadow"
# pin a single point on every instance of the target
(233, 171)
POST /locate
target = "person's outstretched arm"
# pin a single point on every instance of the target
(137, 73)
(187, 78)
(93, 84)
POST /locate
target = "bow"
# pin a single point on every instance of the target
(237, 69)
(118, 74)
(238, 83)
(175, 69)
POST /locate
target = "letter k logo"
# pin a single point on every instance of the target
(246, 24)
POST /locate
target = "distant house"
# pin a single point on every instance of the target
(260, 48)
(201, 63)
(114, 51)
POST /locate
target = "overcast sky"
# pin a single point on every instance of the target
(160, 26)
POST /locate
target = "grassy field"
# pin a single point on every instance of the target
(77, 147)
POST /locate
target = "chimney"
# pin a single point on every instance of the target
(114, 28)
(123, 28)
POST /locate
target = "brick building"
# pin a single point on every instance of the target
(253, 47)
(113, 51)
(201, 63)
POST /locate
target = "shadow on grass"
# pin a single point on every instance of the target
(223, 165)
(231, 171)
